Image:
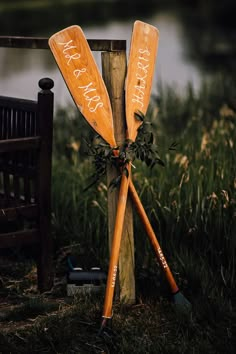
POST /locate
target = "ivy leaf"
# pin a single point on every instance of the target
(151, 138)
(148, 161)
(139, 116)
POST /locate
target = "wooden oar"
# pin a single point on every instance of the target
(141, 67)
(81, 74)
(143, 50)
(83, 79)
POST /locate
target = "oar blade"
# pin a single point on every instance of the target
(141, 67)
(83, 79)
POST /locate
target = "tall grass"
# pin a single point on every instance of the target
(191, 201)
(191, 204)
(78, 216)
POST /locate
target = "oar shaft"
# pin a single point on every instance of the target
(151, 234)
(152, 237)
(116, 242)
(127, 184)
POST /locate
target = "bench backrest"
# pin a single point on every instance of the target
(26, 128)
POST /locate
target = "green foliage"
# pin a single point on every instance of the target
(191, 204)
(143, 149)
(176, 110)
(70, 135)
(79, 216)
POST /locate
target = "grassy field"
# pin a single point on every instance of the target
(191, 202)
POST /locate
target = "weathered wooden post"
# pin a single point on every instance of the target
(114, 66)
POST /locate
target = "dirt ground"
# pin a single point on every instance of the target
(20, 302)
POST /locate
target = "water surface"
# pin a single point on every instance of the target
(21, 69)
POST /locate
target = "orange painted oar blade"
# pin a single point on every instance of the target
(83, 79)
(141, 67)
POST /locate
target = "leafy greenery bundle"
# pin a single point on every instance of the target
(143, 148)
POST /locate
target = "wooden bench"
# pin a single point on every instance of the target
(25, 177)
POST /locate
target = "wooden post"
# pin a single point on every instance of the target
(114, 67)
(45, 100)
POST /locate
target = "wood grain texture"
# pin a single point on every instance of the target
(96, 45)
(114, 67)
(81, 74)
(141, 67)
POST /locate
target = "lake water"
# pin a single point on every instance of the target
(21, 69)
